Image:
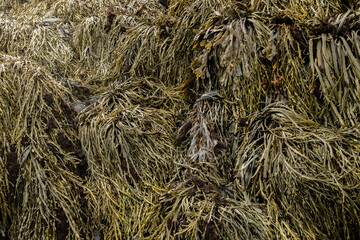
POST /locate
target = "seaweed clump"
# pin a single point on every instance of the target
(205, 119)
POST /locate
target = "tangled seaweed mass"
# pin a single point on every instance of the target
(177, 119)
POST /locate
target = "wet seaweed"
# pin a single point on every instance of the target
(177, 119)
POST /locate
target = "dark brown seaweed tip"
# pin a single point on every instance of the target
(51, 124)
(47, 97)
(219, 146)
(243, 122)
(209, 229)
(62, 224)
(12, 166)
(183, 133)
(111, 14)
(64, 142)
(281, 19)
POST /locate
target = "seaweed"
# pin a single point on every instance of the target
(177, 119)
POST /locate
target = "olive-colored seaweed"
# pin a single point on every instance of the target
(177, 119)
